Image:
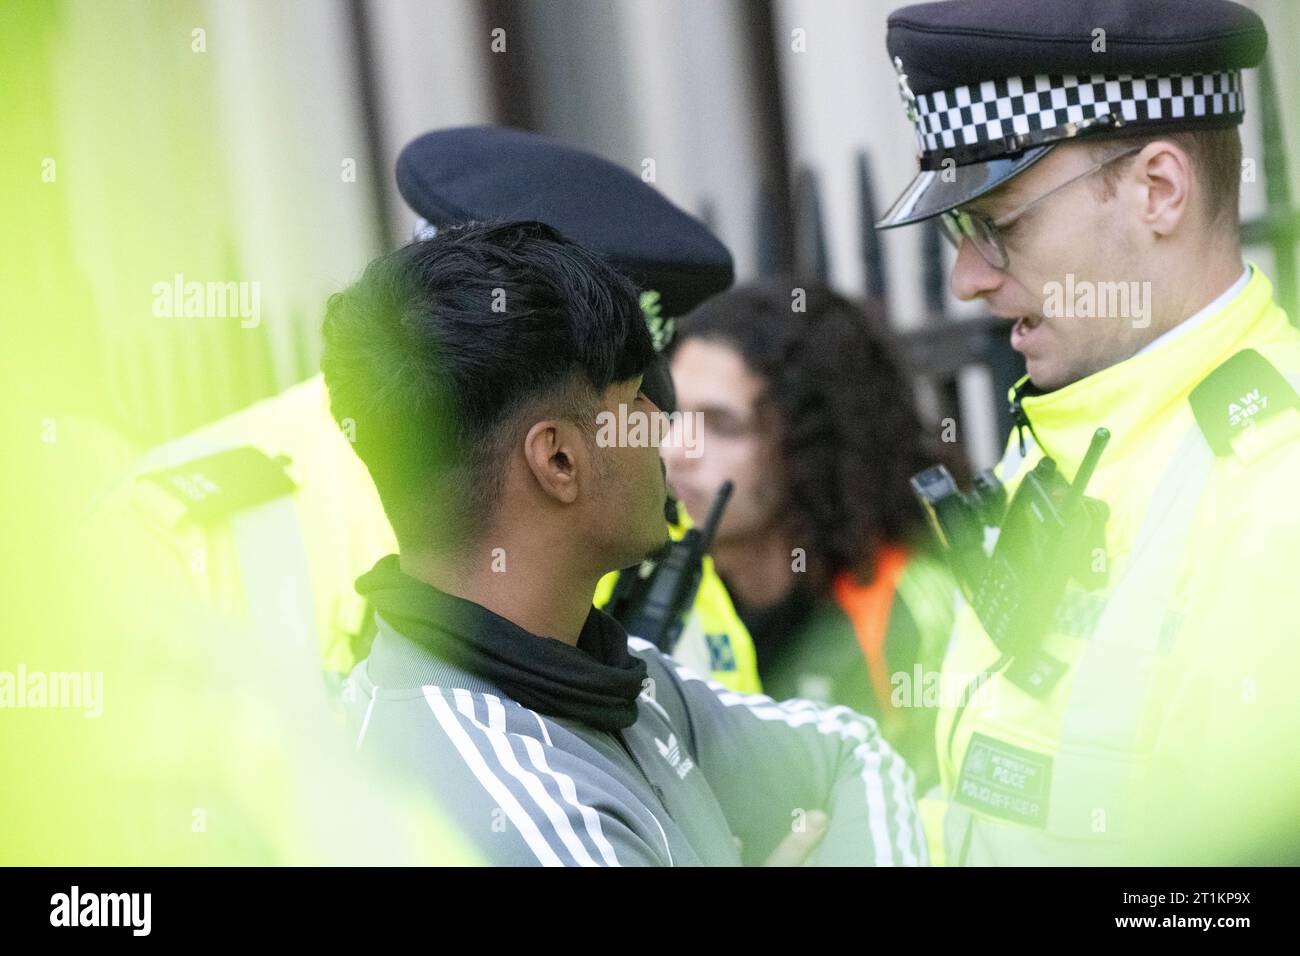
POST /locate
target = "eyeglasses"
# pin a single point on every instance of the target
(985, 234)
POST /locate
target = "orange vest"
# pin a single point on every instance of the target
(867, 607)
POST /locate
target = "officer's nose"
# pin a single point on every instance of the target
(972, 276)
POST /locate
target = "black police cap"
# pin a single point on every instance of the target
(485, 173)
(993, 85)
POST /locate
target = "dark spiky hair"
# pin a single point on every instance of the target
(442, 348)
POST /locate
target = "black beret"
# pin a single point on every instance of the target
(486, 173)
(992, 85)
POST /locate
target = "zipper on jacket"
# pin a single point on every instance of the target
(965, 841)
(1019, 417)
(967, 693)
(658, 792)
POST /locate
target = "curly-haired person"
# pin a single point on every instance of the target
(822, 546)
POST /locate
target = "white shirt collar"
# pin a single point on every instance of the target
(1188, 324)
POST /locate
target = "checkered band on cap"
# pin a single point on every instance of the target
(996, 117)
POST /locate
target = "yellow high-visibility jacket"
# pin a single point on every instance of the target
(1171, 735)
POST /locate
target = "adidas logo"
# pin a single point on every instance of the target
(672, 753)
(669, 751)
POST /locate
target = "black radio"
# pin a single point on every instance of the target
(1013, 561)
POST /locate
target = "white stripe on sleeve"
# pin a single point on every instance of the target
(499, 792)
(842, 722)
(569, 791)
(365, 724)
(532, 784)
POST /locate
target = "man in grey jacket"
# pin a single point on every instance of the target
(478, 373)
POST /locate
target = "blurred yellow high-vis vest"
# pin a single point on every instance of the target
(271, 514)
(1172, 734)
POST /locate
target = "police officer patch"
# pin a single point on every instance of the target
(1005, 781)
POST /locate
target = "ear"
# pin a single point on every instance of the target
(556, 455)
(1164, 174)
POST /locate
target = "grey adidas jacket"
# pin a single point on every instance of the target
(700, 764)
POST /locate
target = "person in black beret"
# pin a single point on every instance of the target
(1083, 157)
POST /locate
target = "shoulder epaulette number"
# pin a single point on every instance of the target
(1240, 394)
(212, 488)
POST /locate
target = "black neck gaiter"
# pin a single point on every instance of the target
(596, 682)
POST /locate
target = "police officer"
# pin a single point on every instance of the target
(269, 512)
(1084, 159)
